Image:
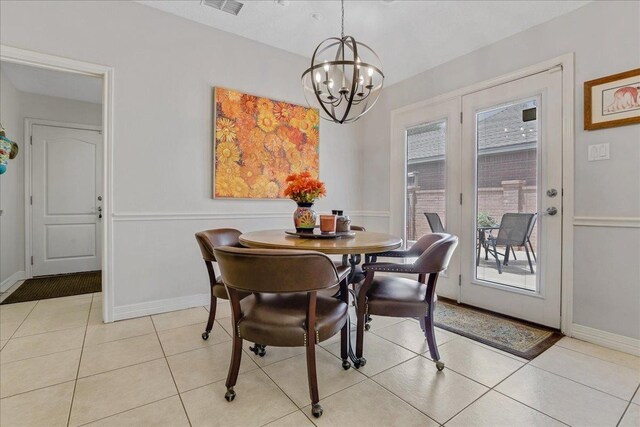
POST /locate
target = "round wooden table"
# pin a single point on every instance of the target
(364, 242)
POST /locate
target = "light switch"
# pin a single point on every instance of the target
(598, 152)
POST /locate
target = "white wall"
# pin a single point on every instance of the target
(165, 68)
(12, 219)
(606, 39)
(16, 106)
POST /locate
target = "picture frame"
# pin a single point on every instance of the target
(258, 142)
(612, 101)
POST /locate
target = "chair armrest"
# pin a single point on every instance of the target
(388, 267)
(392, 254)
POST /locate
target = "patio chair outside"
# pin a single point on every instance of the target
(434, 222)
(515, 229)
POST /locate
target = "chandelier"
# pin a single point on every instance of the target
(345, 78)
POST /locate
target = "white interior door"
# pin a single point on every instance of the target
(426, 177)
(66, 200)
(512, 164)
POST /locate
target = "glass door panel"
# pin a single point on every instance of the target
(426, 179)
(507, 194)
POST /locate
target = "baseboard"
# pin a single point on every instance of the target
(606, 339)
(11, 280)
(160, 306)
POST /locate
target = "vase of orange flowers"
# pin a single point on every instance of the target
(303, 189)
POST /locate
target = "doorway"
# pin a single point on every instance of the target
(102, 80)
(486, 163)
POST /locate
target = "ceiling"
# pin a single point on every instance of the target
(42, 81)
(409, 36)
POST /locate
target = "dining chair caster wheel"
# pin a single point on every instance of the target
(230, 394)
(258, 350)
(360, 362)
(346, 365)
(316, 410)
(439, 365)
(205, 336)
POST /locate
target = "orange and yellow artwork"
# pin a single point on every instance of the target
(258, 142)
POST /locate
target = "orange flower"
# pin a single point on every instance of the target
(221, 95)
(227, 152)
(273, 143)
(245, 123)
(249, 104)
(233, 95)
(313, 117)
(264, 188)
(312, 137)
(283, 111)
(226, 130)
(303, 125)
(231, 108)
(299, 113)
(231, 186)
(303, 188)
(267, 121)
(256, 136)
(265, 106)
(250, 173)
(227, 169)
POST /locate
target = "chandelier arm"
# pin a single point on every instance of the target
(354, 47)
(315, 88)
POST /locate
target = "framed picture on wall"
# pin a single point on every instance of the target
(612, 101)
(258, 142)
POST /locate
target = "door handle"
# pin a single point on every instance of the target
(551, 211)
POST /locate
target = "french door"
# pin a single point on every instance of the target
(428, 148)
(488, 166)
(511, 220)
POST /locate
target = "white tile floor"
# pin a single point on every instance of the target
(59, 365)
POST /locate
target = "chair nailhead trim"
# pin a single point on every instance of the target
(317, 337)
(238, 328)
(304, 338)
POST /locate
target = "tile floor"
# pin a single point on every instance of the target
(59, 365)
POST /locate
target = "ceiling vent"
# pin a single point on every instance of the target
(230, 6)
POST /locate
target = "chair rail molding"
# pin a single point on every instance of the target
(606, 221)
(195, 216)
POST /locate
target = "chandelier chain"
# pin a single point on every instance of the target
(342, 27)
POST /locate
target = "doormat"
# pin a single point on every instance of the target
(520, 338)
(62, 285)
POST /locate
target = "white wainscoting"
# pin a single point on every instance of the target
(158, 266)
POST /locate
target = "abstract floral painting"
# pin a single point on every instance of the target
(258, 142)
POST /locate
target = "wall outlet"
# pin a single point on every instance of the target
(598, 152)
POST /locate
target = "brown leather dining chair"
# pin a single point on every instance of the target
(285, 308)
(400, 297)
(208, 240)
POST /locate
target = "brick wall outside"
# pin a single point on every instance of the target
(507, 183)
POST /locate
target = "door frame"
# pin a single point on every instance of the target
(28, 181)
(396, 185)
(106, 74)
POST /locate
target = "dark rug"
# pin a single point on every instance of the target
(520, 338)
(62, 285)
